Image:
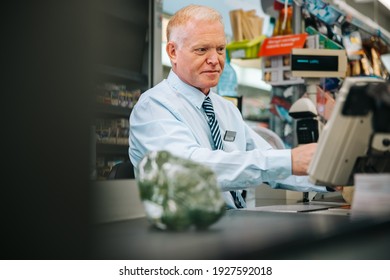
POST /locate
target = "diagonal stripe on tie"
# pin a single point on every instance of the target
(218, 144)
(213, 123)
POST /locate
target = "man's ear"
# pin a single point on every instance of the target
(171, 51)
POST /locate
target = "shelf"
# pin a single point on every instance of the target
(247, 62)
(368, 29)
(125, 43)
(122, 73)
(106, 110)
(361, 21)
(111, 149)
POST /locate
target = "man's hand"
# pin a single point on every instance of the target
(301, 157)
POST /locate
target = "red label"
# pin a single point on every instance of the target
(281, 45)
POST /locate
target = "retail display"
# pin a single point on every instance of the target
(276, 62)
(328, 25)
(125, 69)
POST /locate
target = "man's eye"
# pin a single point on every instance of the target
(201, 50)
(221, 50)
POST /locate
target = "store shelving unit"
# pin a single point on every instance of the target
(350, 18)
(127, 50)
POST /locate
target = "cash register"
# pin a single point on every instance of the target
(356, 138)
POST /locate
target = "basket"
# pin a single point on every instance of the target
(245, 48)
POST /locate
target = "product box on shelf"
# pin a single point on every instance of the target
(117, 95)
(114, 131)
(324, 41)
(275, 52)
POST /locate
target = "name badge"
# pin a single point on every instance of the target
(229, 136)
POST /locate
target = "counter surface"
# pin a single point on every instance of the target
(242, 234)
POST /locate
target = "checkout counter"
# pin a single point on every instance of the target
(125, 233)
(278, 229)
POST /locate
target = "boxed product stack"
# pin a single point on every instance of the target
(247, 34)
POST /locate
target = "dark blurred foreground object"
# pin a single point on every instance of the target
(178, 193)
(47, 65)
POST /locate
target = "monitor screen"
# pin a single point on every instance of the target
(315, 62)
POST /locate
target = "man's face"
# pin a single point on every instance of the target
(200, 59)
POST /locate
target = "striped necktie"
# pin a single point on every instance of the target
(218, 144)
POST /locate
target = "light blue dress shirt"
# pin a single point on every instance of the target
(170, 117)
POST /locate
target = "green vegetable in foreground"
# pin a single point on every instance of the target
(178, 193)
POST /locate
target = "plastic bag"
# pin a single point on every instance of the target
(178, 193)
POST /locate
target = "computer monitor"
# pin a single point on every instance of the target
(347, 135)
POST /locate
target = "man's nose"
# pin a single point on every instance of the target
(212, 57)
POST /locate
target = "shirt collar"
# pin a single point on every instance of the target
(192, 94)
